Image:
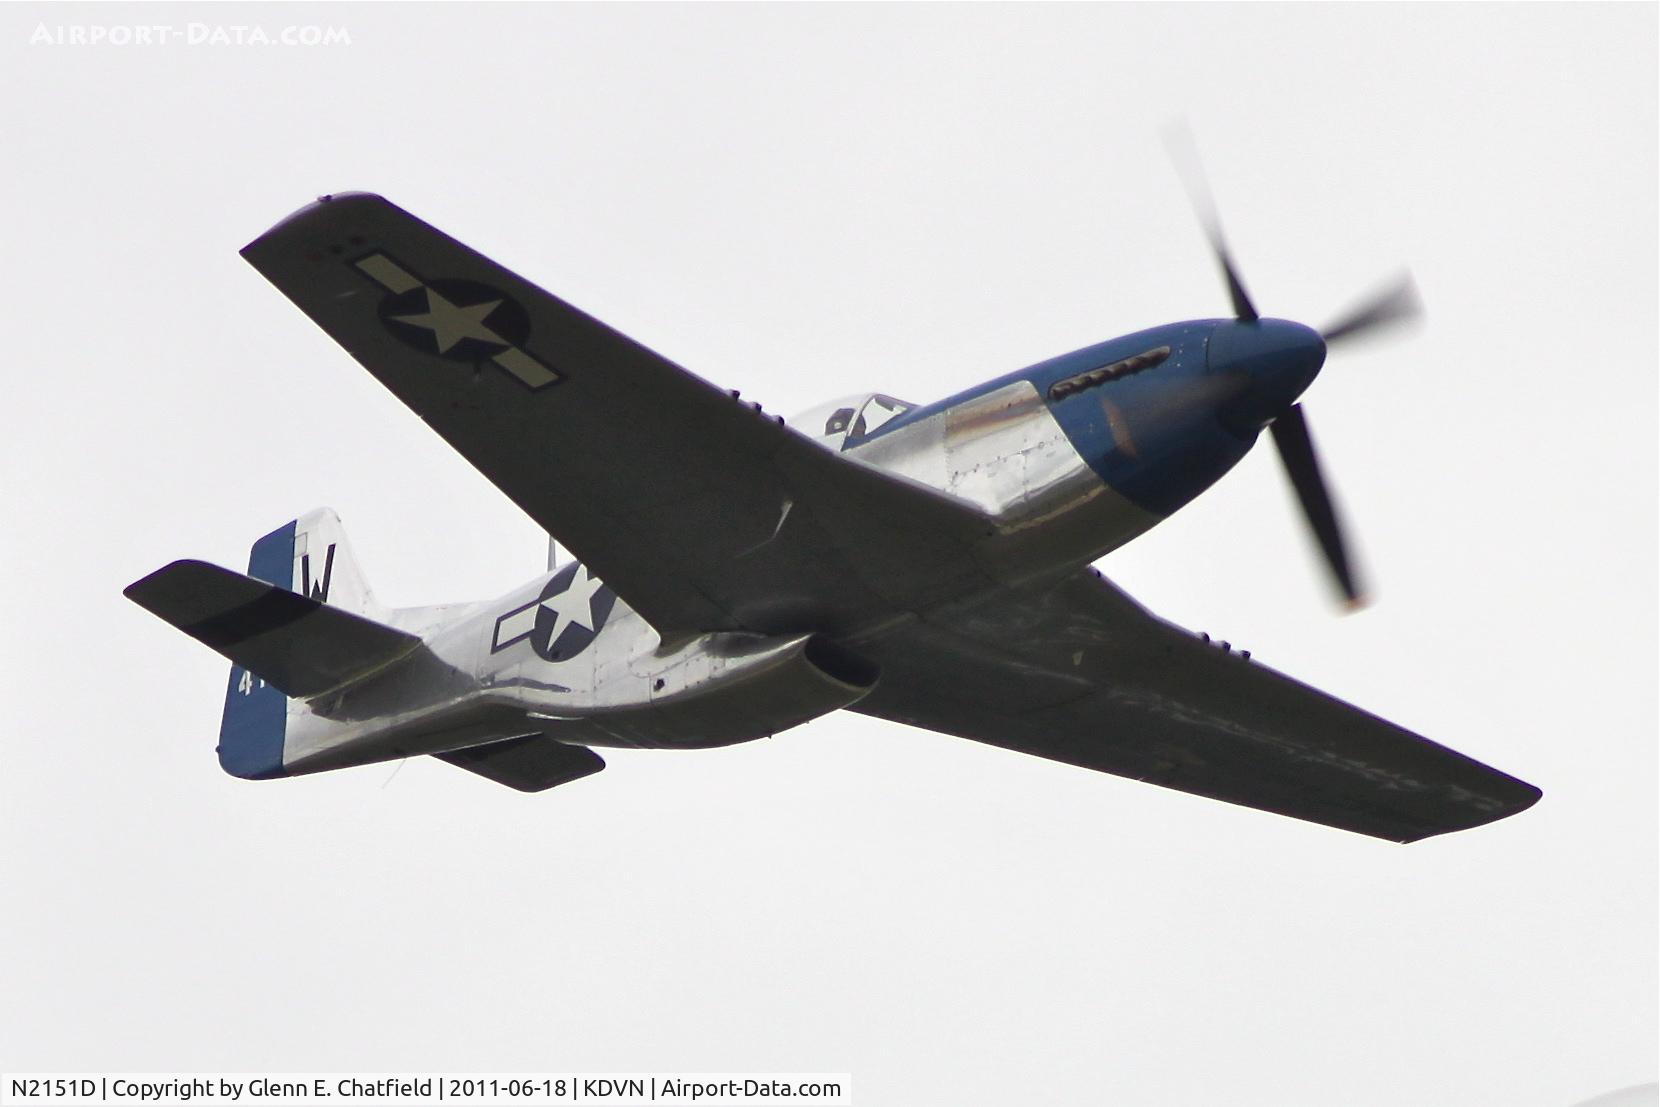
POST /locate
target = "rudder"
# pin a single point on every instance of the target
(255, 720)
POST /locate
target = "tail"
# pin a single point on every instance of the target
(302, 622)
(320, 564)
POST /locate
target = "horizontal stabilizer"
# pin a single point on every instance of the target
(297, 645)
(533, 763)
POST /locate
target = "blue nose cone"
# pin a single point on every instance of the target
(1275, 360)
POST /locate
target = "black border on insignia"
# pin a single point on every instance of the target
(497, 643)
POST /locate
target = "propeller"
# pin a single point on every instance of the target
(1185, 153)
(1395, 303)
(1302, 465)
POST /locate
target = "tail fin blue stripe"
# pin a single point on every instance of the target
(272, 558)
(256, 714)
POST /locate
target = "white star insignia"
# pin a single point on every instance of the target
(450, 323)
(573, 606)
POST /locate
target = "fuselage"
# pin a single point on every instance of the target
(1067, 459)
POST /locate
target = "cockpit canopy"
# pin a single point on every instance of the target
(832, 424)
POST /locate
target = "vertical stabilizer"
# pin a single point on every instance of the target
(310, 556)
(323, 567)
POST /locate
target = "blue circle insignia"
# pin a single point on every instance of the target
(569, 614)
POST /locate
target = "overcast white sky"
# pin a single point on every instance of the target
(802, 202)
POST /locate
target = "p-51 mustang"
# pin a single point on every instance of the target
(739, 575)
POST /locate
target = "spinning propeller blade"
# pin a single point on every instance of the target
(1395, 304)
(1192, 172)
(1302, 465)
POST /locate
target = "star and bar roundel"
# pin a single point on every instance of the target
(459, 320)
(562, 621)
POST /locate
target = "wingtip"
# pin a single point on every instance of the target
(1524, 796)
(172, 582)
(138, 589)
(328, 199)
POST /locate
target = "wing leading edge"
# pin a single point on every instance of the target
(1080, 673)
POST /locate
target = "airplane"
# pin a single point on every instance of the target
(737, 574)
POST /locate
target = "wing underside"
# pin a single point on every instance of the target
(701, 512)
(1080, 673)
